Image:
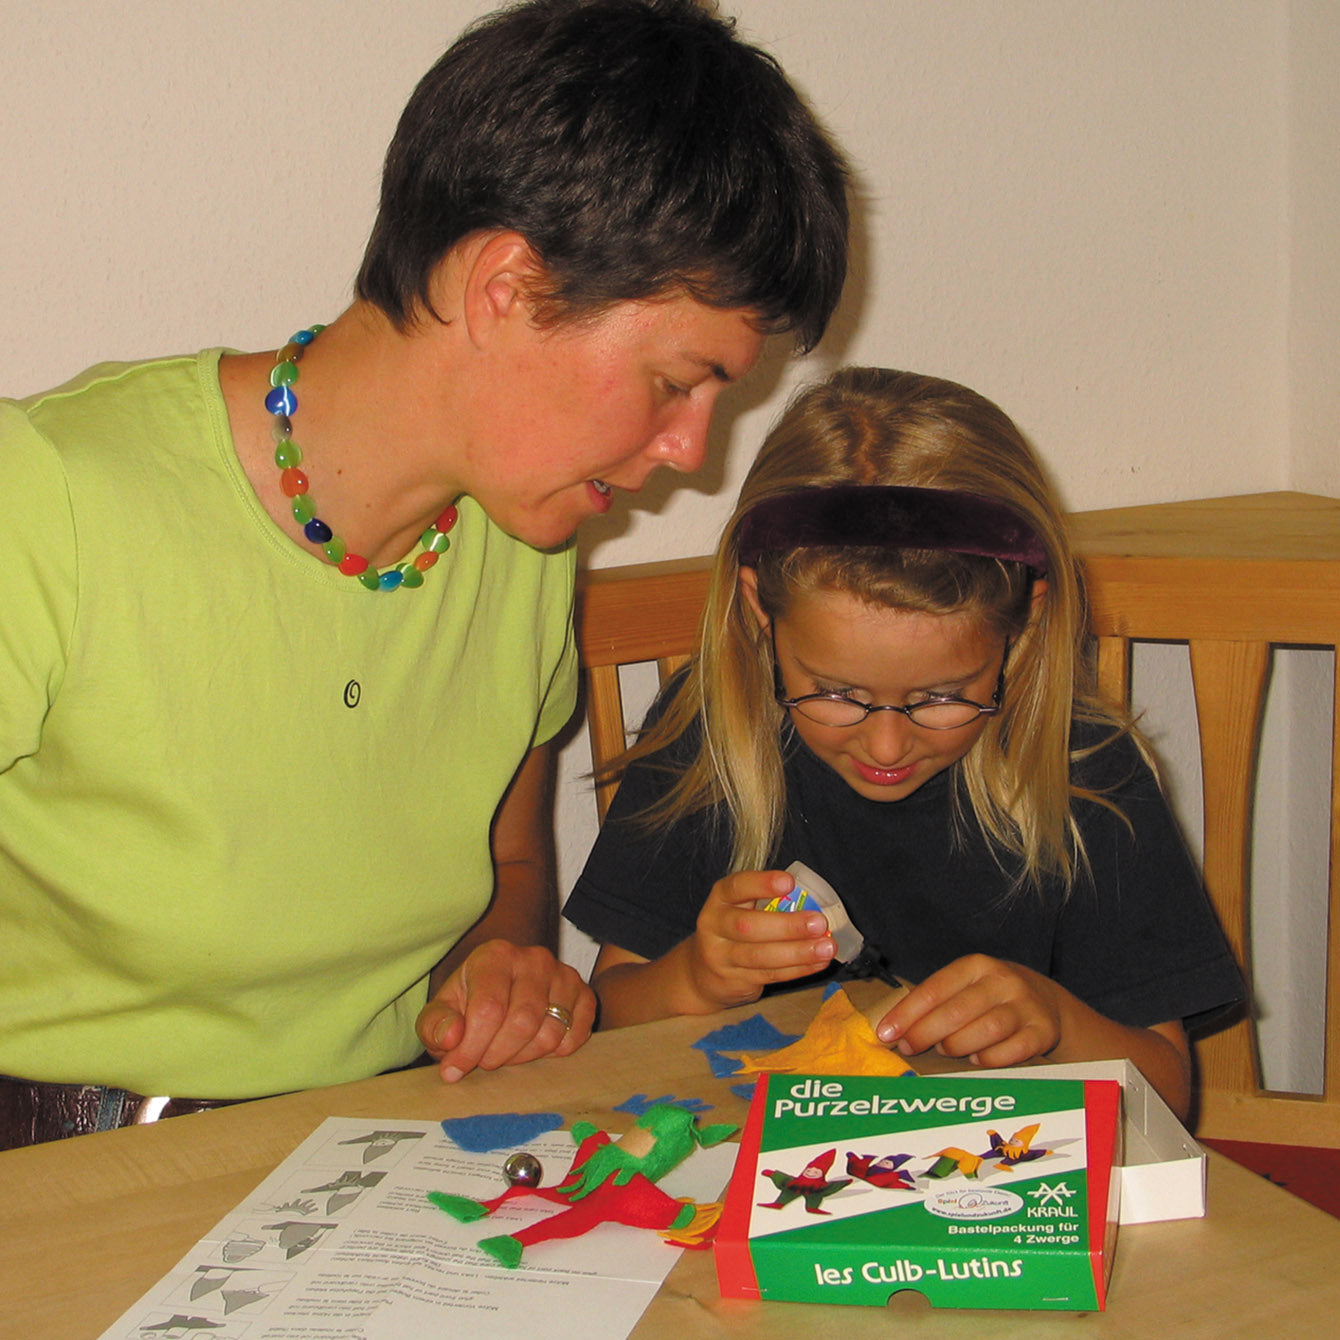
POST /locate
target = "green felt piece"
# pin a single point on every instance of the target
(506, 1250)
(459, 1207)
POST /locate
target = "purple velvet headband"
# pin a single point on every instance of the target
(880, 516)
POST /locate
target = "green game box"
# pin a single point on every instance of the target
(1000, 1193)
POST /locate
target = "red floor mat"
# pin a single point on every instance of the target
(1312, 1174)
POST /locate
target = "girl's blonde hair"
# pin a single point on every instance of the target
(874, 426)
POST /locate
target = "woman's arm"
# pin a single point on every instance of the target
(1001, 1014)
(488, 997)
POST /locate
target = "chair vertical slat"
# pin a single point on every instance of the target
(1331, 1074)
(605, 722)
(1114, 670)
(668, 665)
(1229, 680)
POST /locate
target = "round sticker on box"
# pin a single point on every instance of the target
(984, 1202)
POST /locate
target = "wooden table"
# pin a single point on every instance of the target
(87, 1225)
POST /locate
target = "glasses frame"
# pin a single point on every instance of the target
(797, 704)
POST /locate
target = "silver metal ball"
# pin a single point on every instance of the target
(522, 1170)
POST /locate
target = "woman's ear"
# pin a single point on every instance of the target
(499, 271)
(748, 587)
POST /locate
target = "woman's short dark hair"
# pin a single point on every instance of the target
(640, 148)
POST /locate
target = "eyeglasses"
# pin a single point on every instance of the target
(837, 709)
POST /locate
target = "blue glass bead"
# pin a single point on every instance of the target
(317, 531)
(390, 579)
(281, 400)
(302, 337)
(283, 374)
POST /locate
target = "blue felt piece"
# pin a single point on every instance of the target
(639, 1103)
(754, 1034)
(499, 1130)
(745, 1091)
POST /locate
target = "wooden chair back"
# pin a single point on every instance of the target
(1230, 577)
(629, 616)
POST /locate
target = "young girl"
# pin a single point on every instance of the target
(891, 689)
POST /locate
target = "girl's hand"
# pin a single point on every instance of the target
(992, 1012)
(737, 950)
(492, 1011)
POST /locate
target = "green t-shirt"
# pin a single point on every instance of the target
(244, 802)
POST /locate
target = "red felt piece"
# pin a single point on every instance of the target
(639, 1204)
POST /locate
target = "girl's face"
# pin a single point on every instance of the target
(832, 642)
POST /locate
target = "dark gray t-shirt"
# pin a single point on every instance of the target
(1135, 938)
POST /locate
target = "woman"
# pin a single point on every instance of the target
(286, 634)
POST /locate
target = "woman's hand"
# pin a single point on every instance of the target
(993, 1012)
(491, 1011)
(737, 950)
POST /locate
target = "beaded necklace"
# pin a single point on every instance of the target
(281, 402)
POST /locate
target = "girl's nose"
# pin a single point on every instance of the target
(886, 737)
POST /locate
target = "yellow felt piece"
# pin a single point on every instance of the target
(839, 1041)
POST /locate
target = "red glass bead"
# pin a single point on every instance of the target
(293, 482)
(447, 520)
(352, 564)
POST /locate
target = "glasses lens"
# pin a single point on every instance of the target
(832, 711)
(943, 716)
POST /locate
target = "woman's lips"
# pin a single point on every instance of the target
(601, 494)
(882, 776)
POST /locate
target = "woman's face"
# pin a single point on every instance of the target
(592, 408)
(832, 642)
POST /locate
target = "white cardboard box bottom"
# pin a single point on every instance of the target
(1162, 1167)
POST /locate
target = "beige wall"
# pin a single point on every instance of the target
(1117, 219)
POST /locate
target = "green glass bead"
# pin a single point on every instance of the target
(334, 549)
(287, 453)
(371, 579)
(434, 541)
(303, 511)
(284, 374)
(413, 577)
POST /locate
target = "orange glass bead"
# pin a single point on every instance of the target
(424, 561)
(293, 482)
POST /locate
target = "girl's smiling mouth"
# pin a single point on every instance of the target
(882, 776)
